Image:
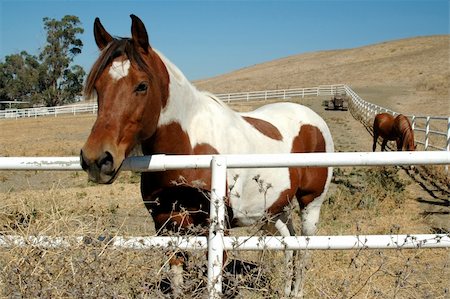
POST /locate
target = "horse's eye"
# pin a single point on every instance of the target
(141, 87)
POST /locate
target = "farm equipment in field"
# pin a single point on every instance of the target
(337, 102)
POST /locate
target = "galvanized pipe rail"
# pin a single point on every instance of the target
(163, 162)
(219, 164)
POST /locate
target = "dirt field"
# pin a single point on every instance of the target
(361, 201)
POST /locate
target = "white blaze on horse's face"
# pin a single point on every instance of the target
(119, 69)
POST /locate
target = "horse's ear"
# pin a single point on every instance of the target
(102, 37)
(139, 33)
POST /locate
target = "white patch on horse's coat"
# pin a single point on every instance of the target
(208, 121)
(119, 69)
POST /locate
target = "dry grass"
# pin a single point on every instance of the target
(364, 201)
(46, 136)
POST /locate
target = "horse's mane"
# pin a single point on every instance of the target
(405, 127)
(116, 48)
(181, 79)
(125, 46)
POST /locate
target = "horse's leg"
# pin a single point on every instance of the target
(375, 139)
(310, 218)
(383, 145)
(282, 223)
(399, 142)
(180, 223)
(177, 264)
(285, 228)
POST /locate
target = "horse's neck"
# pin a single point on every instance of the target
(185, 106)
(184, 100)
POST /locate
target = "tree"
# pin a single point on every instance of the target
(18, 77)
(60, 83)
(48, 79)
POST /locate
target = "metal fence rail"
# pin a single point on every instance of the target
(342, 242)
(216, 241)
(226, 97)
(323, 90)
(162, 162)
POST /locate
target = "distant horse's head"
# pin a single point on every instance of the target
(132, 86)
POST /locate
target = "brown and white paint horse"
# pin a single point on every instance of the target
(144, 100)
(392, 128)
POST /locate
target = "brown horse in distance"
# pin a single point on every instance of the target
(392, 128)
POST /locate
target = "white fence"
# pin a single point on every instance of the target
(428, 129)
(48, 111)
(324, 90)
(216, 241)
(227, 97)
(424, 133)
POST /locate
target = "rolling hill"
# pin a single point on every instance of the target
(400, 74)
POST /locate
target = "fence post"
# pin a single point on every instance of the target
(216, 230)
(448, 135)
(448, 141)
(427, 132)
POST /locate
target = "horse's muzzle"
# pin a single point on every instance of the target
(100, 170)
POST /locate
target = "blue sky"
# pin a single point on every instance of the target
(209, 38)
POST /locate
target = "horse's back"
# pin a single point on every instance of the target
(302, 130)
(383, 124)
(290, 118)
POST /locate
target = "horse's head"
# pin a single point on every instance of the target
(409, 145)
(131, 84)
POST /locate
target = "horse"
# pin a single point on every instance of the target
(145, 101)
(393, 128)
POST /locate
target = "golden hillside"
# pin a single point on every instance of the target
(417, 68)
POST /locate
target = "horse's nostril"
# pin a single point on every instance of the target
(106, 163)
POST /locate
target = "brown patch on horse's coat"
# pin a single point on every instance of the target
(177, 199)
(312, 180)
(307, 183)
(160, 142)
(264, 127)
(285, 196)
